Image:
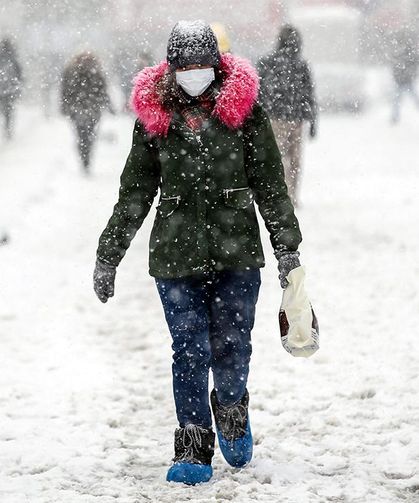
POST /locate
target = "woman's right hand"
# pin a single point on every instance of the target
(104, 280)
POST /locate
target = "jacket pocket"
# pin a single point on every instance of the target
(168, 205)
(240, 198)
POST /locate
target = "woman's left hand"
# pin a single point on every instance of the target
(104, 280)
(287, 261)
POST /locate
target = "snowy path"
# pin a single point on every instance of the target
(86, 413)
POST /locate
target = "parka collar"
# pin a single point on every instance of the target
(233, 104)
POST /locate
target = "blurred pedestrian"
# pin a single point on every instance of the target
(10, 83)
(287, 93)
(84, 96)
(405, 62)
(203, 139)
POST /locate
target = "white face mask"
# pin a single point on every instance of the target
(195, 82)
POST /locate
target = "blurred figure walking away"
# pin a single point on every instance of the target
(287, 94)
(405, 62)
(10, 84)
(84, 96)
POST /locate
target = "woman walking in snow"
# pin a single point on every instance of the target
(204, 141)
(84, 96)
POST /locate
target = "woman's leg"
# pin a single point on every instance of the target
(232, 301)
(283, 131)
(294, 176)
(6, 105)
(86, 132)
(414, 95)
(397, 98)
(186, 309)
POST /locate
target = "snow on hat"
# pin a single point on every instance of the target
(192, 43)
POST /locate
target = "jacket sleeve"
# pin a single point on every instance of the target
(140, 180)
(263, 71)
(309, 104)
(266, 179)
(64, 95)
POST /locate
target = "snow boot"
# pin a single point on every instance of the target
(233, 430)
(194, 449)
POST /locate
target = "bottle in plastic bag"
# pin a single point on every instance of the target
(297, 322)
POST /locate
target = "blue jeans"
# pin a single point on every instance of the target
(210, 318)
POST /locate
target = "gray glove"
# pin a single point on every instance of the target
(287, 261)
(104, 280)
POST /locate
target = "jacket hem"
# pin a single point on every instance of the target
(201, 270)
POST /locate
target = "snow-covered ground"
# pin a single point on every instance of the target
(86, 411)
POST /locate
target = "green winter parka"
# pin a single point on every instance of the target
(209, 182)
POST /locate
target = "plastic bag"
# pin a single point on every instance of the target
(297, 321)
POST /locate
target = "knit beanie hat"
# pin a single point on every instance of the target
(192, 43)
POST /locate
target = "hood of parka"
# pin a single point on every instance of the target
(233, 104)
(289, 42)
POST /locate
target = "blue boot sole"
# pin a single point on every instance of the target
(189, 473)
(238, 453)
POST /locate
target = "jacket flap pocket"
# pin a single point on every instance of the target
(238, 198)
(167, 205)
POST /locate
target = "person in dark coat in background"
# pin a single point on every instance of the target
(202, 138)
(84, 96)
(405, 62)
(10, 83)
(287, 94)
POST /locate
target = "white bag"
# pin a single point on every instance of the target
(297, 321)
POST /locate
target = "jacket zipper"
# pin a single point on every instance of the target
(199, 141)
(169, 198)
(227, 191)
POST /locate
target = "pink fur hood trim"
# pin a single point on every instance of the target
(232, 106)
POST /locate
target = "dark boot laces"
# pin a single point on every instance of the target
(232, 421)
(191, 438)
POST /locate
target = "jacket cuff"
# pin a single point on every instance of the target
(289, 260)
